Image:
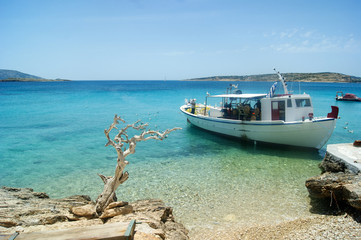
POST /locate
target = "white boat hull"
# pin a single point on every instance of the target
(308, 133)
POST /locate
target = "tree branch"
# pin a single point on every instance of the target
(123, 146)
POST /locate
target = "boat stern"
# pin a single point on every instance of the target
(333, 113)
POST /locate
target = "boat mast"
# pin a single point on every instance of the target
(282, 81)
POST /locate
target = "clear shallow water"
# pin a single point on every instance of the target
(52, 140)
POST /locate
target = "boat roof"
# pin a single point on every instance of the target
(239, 95)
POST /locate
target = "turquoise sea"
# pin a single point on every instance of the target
(52, 140)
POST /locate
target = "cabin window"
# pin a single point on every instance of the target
(303, 102)
(289, 103)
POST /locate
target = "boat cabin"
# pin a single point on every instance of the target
(253, 107)
(287, 107)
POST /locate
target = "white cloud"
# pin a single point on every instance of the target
(283, 34)
(178, 53)
(287, 34)
(306, 34)
(299, 40)
(306, 42)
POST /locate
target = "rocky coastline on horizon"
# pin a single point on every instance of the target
(16, 76)
(32, 80)
(289, 77)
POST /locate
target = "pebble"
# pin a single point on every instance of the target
(320, 227)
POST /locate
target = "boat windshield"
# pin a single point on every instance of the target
(303, 102)
(240, 106)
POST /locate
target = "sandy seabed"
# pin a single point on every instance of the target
(315, 227)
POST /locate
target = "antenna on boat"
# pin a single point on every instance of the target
(282, 79)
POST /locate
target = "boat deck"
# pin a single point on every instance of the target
(347, 153)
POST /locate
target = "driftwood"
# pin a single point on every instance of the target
(124, 147)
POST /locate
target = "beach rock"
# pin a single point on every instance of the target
(331, 183)
(23, 207)
(5, 222)
(116, 204)
(331, 163)
(84, 211)
(53, 219)
(26, 211)
(161, 217)
(112, 212)
(146, 236)
(337, 182)
(352, 193)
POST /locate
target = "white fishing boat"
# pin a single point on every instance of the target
(286, 119)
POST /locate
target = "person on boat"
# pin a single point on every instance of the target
(247, 112)
(226, 109)
(241, 113)
(193, 104)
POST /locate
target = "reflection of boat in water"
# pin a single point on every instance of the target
(280, 119)
(347, 97)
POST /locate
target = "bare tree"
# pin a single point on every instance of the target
(124, 147)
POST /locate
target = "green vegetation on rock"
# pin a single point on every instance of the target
(16, 76)
(290, 77)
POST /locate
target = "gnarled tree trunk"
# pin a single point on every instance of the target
(124, 146)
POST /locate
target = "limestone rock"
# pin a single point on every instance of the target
(116, 204)
(338, 181)
(148, 232)
(112, 212)
(146, 236)
(32, 212)
(331, 163)
(175, 231)
(53, 219)
(22, 206)
(155, 209)
(6, 222)
(352, 193)
(41, 195)
(84, 211)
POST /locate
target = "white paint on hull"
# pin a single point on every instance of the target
(309, 133)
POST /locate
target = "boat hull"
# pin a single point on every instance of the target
(309, 133)
(348, 99)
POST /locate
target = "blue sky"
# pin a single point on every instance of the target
(178, 39)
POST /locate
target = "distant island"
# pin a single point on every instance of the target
(290, 77)
(16, 76)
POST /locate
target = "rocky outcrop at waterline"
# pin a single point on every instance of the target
(24, 211)
(339, 182)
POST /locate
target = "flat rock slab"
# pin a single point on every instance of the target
(349, 154)
(105, 232)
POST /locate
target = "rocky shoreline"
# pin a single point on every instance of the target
(24, 211)
(339, 182)
(335, 201)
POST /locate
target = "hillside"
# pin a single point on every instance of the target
(16, 76)
(290, 77)
(8, 74)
